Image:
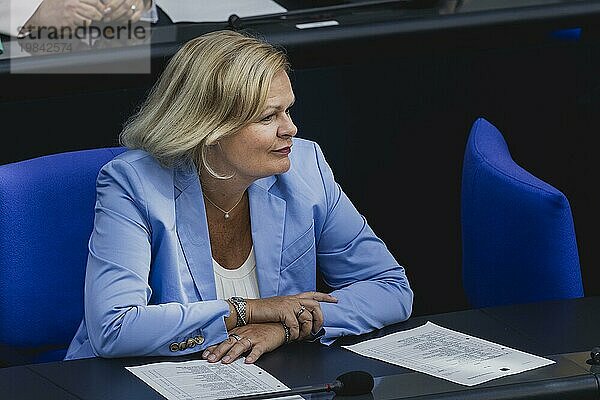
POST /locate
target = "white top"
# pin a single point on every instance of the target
(242, 281)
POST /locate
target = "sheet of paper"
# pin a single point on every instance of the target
(216, 10)
(201, 380)
(450, 355)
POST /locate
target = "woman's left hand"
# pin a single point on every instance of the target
(254, 338)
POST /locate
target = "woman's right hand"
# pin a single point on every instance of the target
(300, 312)
(253, 339)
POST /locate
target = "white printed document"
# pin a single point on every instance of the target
(201, 380)
(447, 354)
(216, 10)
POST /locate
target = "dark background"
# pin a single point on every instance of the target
(392, 117)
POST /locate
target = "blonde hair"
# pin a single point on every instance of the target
(211, 88)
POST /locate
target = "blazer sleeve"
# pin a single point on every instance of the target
(371, 287)
(119, 319)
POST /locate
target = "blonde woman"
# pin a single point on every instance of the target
(209, 230)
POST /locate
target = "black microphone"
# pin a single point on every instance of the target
(595, 356)
(234, 22)
(352, 383)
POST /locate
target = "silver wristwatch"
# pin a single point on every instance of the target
(239, 303)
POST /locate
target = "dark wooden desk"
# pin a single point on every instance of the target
(565, 340)
(24, 383)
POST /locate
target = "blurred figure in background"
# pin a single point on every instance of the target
(17, 15)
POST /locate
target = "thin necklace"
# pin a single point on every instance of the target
(226, 216)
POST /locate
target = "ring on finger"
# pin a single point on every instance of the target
(133, 8)
(300, 311)
(236, 337)
(249, 342)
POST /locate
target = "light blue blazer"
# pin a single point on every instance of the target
(149, 279)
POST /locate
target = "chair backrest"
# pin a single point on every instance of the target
(46, 217)
(518, 236)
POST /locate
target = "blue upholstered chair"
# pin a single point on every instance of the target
(46, 217)
(518, 236)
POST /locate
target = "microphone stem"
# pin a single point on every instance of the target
(297, 391)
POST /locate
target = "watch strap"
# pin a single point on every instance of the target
(239, 303)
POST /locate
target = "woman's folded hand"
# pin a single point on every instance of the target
(301, 313)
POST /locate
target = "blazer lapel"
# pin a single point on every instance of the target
(267, 218)
(192, 230)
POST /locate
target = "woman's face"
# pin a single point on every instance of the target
(262, 147)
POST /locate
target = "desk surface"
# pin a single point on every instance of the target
(357, 22)
(560, 330)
